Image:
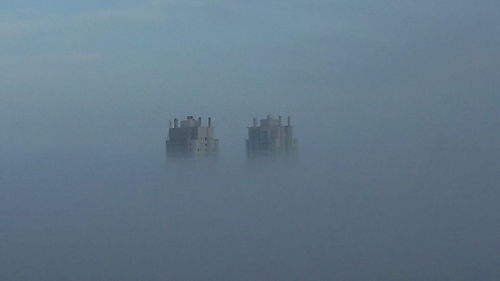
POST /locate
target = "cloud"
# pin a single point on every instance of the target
(130, 15)
(81, 57)
(13, 25)
(66, 38)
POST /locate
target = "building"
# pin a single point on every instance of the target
(270, 137)
(191, 138)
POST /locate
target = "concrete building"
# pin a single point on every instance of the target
(191, 138)
(270, 137)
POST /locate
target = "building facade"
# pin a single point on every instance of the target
(270, 137)
(190, 138)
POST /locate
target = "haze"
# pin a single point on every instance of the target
(395, 105)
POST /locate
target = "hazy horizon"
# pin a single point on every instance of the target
(395, 106)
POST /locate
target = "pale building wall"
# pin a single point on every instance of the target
(270, 137)
(191, 139)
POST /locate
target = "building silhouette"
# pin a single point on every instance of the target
(270, 137)
(191, 138)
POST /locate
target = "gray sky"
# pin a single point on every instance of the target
(78, 74)
(395, 105)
